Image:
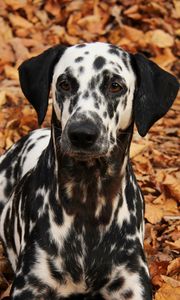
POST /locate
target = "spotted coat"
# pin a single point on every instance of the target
(71, 209)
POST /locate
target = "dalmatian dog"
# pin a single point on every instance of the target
(71, 209)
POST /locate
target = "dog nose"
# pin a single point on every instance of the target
(83, 135)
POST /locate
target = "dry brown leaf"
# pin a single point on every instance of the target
(133, 34)
(172, 186)
(7, 292)
(168, 292)
(74, 5)
(153, 213)
(171, 281)
(116, 12)
(177, 8)
(160, 38)
(11, 72)
(174, 266)
(92, 24)
(166, 59)
(2, 142)
(157, 268)
(131, 10)
(2, 98)
(136, 149)
(54, 8)
(18, 21)
(6, 53)
(20, 50)
(5, 31)
(16, 4)
(174, 245)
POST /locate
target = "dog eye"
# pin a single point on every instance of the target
(114, 87)
(64, 85)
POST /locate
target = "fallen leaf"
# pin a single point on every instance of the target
(171, 281)
(153, 213)
(18, 21)
(172, 186)
(156, 269)
(11, 72)
(6, 53)
(136, 149)
(16, 4)
(174, 245)
(160, 38)
(168, 292)
(166, 59)
(133, 34)
(174, 266)
(2, 98)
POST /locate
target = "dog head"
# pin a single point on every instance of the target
(98, 90)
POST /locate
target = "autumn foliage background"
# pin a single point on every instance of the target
(28, 27)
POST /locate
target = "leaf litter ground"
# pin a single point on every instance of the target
(28, 27)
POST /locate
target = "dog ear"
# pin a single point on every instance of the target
(35, 76)
(155, 92)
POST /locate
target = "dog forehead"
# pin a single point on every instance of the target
(85, 60)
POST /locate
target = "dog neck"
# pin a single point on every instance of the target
(87, 189)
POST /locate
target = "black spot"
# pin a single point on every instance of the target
(98, 78)
(139, 207)
(120, 68)
(128, 294)
(99, 62)
(116, 70)
(8, 173)
(96, 105)
(30, 147)
(81, 69)
(114, 50)
(41, 137)
(116, 284)
(57, 209)
(131, 226)
(92, 84)
(124, 102)
(125, 59)
(81, 46)
(71, 249)
(8, 188)
(1, 206)
(28, 295)
(86, 94)
(105, 114)
(110, 110)
(95, 96)
(130, 194)
(35, 282)
(79, 59)
(29, 258)
(117, 118)
(112, 138)
(86, 52)
(36, 206)
(19, 282)
(54, 272)
(73, 102)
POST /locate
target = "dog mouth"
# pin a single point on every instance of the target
(85, 156)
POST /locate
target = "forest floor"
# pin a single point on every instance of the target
(28, 27)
